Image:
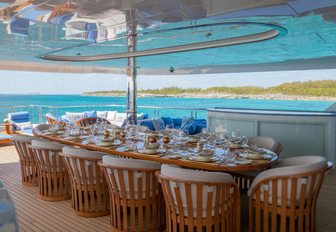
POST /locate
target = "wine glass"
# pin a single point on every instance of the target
(244, 141)
(205, 134)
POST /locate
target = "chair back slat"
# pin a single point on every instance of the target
(29, 173)
(90, 121)
(54, 184)
(89, 189)
(288, 198)
(200, 206)
(135, 196)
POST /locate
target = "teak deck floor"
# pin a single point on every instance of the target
(37, 215)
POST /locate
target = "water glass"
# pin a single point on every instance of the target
(230, 158)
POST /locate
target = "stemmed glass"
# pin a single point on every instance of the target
(236, 137)
(131, 135)
(205, 134)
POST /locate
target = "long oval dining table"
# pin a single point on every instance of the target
(120, 150)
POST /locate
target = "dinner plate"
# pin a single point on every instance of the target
(152, 151)
(205, 159)
(244, 162)
(107, 140)
(47, 133)
(72, 138)
(104, 144)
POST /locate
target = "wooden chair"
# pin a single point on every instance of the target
(284, 198)
(135, 194)
(90, 121)
(51, 119)
(53, 177)
(199, 201)
(41, 127)
(89, 190)
(244, 178)
(29, 173)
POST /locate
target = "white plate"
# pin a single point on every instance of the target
(153, 151)
(104, 144)
(243, 162)
(205, 159)
(72, 138)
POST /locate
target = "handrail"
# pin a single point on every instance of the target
(39, 109)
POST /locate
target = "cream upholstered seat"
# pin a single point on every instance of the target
(53, 177)
(41, 127)
(89, 190)
(135, 194)
(245, 178)
(28, 165)
(289, 190)
(200, 200)
(266, 142)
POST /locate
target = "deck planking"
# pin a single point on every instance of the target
(38, 215)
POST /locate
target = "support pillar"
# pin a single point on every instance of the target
(131, 70)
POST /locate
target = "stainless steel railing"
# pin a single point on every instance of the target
(37, 112)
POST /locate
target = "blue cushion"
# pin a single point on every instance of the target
(186, 120)
(19, 117)
(177, 122)
(190, 127)
(148, 123)
(199, 129)
(145, 116)
(90, 114)
(168, 121)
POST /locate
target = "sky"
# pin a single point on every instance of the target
(13, 82)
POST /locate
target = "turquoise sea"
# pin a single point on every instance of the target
(77, 103)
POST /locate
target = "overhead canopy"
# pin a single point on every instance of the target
(303, 35)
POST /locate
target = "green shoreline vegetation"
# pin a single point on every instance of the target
(294, 90)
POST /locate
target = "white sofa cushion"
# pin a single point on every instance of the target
(111, 115)
(102, 114)
(120, 117)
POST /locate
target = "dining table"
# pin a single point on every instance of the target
(243, 161)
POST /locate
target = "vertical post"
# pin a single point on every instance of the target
(40, 114)
(131, 67)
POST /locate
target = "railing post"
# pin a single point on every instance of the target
(40, 114)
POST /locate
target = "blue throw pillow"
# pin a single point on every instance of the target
(90, 114)
(145, 116)
(168, 121)
(177, 122)
(190, 128)
(148, 123)
(186, 121)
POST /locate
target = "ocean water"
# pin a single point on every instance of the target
(59, 104)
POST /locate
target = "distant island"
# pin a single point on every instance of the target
(308, 90)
